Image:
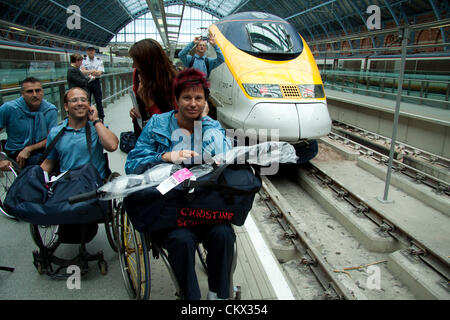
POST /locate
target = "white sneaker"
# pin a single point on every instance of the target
(211, 295)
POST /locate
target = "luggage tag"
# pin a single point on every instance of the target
(174, 180)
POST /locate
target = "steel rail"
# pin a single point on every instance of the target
(400, 146)
(440, 186)
(361, 208)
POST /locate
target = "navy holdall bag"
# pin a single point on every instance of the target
(32, 200)
(225, 195)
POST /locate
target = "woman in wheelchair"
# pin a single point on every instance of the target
(178, 136)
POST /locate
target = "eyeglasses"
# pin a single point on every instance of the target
(74, 100)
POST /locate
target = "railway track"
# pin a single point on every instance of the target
(418, 164)
(358, 253)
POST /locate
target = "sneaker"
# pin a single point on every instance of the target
(211, 295)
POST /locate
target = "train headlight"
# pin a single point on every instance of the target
(311, 90)
(263, 90)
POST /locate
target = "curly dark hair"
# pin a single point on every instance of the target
(190, 78)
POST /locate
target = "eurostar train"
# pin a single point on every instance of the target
(269, 82)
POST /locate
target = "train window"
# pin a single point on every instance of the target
(269, 37)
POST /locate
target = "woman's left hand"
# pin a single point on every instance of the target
(178, 156)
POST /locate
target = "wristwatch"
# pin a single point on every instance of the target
(97, 121)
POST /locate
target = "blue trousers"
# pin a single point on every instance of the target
(218, 240)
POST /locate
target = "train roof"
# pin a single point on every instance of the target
(250, 16)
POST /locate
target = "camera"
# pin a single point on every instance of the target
(206, 38)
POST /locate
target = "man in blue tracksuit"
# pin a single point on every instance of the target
(199, 61)
(27, 121)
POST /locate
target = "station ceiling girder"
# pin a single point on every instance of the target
(315, 20)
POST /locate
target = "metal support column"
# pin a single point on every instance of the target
(404, 35)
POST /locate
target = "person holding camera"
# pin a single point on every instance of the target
(199, 61)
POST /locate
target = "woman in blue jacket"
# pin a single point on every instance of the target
(177, 136)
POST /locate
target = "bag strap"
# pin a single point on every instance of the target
(58, 136)
(88, 139)
(207, 67)
(51, 146)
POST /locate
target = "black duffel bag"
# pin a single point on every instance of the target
(223, 196)
(33, 200)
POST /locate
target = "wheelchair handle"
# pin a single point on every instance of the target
(83, 196)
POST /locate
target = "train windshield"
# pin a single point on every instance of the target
(269, 38)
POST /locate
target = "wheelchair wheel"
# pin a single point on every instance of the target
(45, 237)
(133, 258)
(6, 180)
(110, 218)
(201, 251)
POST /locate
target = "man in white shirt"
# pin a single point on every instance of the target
(92, 66)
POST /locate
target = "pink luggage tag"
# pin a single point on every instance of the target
(174, 180)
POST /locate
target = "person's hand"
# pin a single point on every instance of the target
(205, 110)
(197, 40)
(5, 164)
(93, 113)
(178, 156)
(23, 156)
(212, 39)
(134, 113)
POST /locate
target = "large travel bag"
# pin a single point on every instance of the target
(34, 200)
(225, 195)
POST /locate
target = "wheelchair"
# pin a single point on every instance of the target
(6, 180)
(134, 256)
(48, 239)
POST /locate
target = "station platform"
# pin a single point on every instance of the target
(421, 126)
(257, 272)
(410, 110)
